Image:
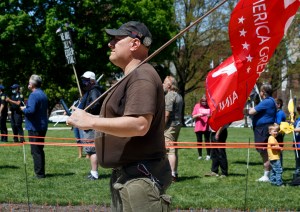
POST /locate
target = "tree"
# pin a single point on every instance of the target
(29, 44)
(205, 43)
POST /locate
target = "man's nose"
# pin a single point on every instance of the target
(110, 45)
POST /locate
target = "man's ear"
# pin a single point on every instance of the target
(135, 44)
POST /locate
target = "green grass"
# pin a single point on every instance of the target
(66, 182)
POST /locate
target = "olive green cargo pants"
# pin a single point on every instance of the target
(133, 192)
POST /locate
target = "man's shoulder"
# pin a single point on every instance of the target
(144, 71)
(38, 93)
(269, 100)
(97, 88)
(266, 103)
(146, 66)
(171, 96)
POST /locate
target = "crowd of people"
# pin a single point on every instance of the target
(35, 112)
(36, 119)
(267, 116)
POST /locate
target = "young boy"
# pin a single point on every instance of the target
(274, 156)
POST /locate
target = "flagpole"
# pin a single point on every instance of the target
(257, 91)
(77, 81)
(158, 51)
(100, 77)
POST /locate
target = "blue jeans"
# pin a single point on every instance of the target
(77, 134)
(276, 172)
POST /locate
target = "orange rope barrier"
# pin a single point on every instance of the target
(49, 138)
(169, 144)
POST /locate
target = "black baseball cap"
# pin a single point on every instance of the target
(14, 86)
(133, 29)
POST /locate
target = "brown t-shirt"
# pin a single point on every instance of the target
(140, 93)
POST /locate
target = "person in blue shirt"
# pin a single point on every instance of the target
(264, 114)
(297, 140)
(36, 122)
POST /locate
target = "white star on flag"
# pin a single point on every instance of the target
(245, 45)
(241, 20)
(249, 58)
(243, 33)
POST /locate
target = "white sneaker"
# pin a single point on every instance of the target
(207, 157)
(200, 157)
(263, 179)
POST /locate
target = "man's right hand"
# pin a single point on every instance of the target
(79, 118)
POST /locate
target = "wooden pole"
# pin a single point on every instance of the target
(77, 81)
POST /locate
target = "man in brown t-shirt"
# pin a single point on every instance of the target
(130, 129)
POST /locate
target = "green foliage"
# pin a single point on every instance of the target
(66, 182)
(29, 43)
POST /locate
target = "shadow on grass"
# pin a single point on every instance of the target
(60, 174)
(236, 175)
(183, 178)
(104, 176)
(9, 167)
(245, 163)
(288, 169)
(101, 176)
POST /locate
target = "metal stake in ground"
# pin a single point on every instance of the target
(247, 174)
(26, 180)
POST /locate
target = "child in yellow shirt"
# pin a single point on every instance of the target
(274, 156)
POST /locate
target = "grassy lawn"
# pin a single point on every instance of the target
(66, 182)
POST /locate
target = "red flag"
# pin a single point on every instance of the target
(255, 29)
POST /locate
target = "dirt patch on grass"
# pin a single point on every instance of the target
(12, 207)
(44, 208)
